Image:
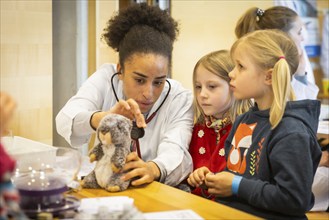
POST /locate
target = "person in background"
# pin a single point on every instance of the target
(9, 196)
(288, 21)
(272, 151)
(138, 88)
(304, 8)
(215, 110)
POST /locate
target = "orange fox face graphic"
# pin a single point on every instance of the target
(236, 160)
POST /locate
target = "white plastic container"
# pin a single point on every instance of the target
(29, 154)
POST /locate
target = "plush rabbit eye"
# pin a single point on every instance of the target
(136, 132)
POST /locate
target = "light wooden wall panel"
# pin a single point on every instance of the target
(205, 26)
(104, 11)
(26, 65)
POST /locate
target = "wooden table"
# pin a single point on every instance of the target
(319, 135)
(157, 197)
(318, 215)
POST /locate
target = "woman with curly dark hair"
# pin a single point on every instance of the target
(138, 88)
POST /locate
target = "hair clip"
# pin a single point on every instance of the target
(260, 12)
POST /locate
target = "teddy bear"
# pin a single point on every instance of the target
(114, 138)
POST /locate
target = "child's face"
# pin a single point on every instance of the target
(212, 93)
(296, 33)
(247, 79)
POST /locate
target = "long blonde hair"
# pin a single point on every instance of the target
(273, 49)
(220, 64)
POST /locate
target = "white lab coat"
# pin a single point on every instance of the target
(320, 189)
(167, 135)
(303, 91)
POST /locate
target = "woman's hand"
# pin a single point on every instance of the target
(142, 172)
(198, 176)
(7, 108)
(220, 184)
(301, 70)
(129, 109)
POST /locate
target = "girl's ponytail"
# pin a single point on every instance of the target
(282, 90)
(247, 23)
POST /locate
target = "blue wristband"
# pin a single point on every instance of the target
(235, 184)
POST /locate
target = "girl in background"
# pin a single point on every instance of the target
(9, 196)
(272, 151)
(215, 109)
(288, 21)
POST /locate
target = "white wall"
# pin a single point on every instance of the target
(205, 26)
(104, 11)
(26, 65)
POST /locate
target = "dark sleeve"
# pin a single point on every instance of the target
(290, 189)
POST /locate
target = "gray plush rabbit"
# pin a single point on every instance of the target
(113, 134)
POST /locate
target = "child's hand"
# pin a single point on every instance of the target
(220, 184)
(7, 107)
(198, 176)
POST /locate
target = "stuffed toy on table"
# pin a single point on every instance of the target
(114, 138)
